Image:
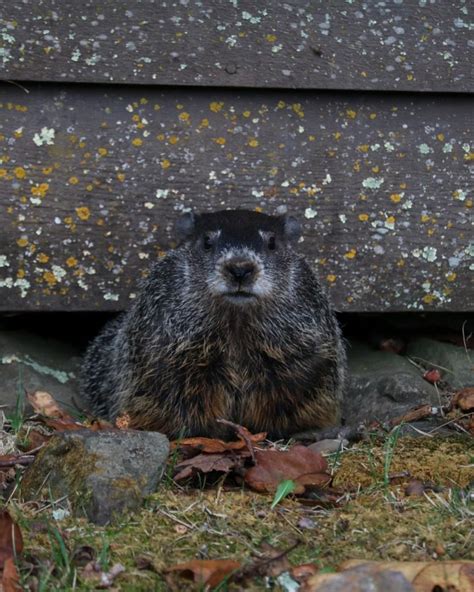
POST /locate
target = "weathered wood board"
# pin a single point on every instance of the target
(414, 45)
(92, 181)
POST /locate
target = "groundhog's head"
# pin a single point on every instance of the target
(242, 256)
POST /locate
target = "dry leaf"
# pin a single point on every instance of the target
(10, 577)
(302, 465)
(464, 399)
(213, 446)
(11, 541)
(44, 404)
(207, 463)
(208, 572)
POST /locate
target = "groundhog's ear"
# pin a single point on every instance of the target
(292, 228)
(184, 226)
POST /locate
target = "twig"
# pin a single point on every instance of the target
(19, 85)
(11, 460)
(243, 434)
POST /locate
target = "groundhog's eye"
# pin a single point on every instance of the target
(271, 243)
(207, 243)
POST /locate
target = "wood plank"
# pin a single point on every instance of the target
(414, 45)
(91, 180)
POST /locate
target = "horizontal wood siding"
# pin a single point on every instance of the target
(93, 177)
(409, 45)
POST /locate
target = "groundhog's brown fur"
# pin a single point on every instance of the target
(232, 324)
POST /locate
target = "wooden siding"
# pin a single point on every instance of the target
(410, 45)
(92, 178)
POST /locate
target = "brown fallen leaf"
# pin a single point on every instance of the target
(206, 572)
(426, 575)
(10, 578)
(464, 399)
(415, 487)
(11, 540)
(44, 404)
(207, 463)
(211, 445)
(300, 464)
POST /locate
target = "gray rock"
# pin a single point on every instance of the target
(362, 579)
(328, 446)
(100, 474)
(31, 362)
(458, 363)
(383, 385)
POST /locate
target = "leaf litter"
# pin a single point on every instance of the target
(264, 467)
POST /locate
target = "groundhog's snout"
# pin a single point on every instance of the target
(241, 272)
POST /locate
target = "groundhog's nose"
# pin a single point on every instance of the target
(240, 271)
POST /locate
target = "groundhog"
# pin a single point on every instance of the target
(231, 324)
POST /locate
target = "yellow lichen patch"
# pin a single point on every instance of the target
(373, 115)
(356, 166)
(331, 278)
(47, 170)
(136, 117)
(440, 137)
(351, 114)
(102, 151)
(468, 203)
(49, 278)
(469, 156)
(281, 104)
(253, 142)
(42, 258)
(298, 109)
(424, 218)
(395, 197)
(216, 106)
(83, 213)
(165, 164)
(204, 123)
(3, 173)
(73, 180)
(246, 113)
(121, 177)
(160, 137)
(184, 116)
(137, 142)
(271, 38)
(18, 133)
(156, 107)
(410, 77)
(20, 172)
(390, 221)
(173, 139)
(337, 135)
(401, 263)
(311, 138)
(20, 274)
(363, 217)
(71, 262)
(376, 169)
(40, 190)
(89, 187)
(363, 148)
(220, 141)
(350, 254)
(429, 298)
(403, 185)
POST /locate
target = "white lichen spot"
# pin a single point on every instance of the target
(426, 286)
(45, 136)
(416, 253)
(389, 147)
(110, 296)
(162, 193)
(447, 148)
(76, 54)
(327, 179)
(58, 272)
(407, 205)
(256, 193)
(424, 149)
(429, 253)
(231, 40)
(93, 60)
(310, 213)
(4, 261)
(277, 48)
(149, 205)
(343, 218)
(466, 147)
(253, 19)
(390, 223)
(372, 182)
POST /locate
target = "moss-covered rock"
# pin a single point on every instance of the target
(99, 474)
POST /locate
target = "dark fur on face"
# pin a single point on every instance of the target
(232, 324)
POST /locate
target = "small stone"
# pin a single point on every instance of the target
(100, 474)
(328, 446)
(383, 385)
